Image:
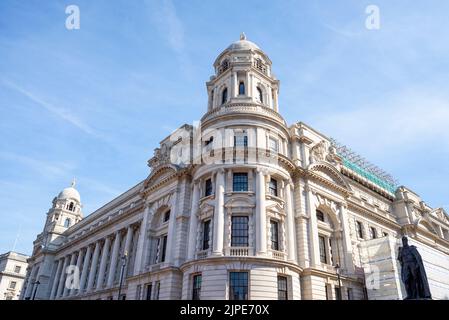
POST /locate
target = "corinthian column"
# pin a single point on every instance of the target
(85, 269)
(291, 250)
(141, 242)
(193, 221)
(61, 284)
(78, 267)
(313, 230)
(347, 245)
(93, 267)
(261, 220)
(114, 259)
(104, 258)
(219, 214)
(72, 262)
(55, 280)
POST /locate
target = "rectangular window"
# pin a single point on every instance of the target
(208, 188)
(149, 291)
(206, 231)
(17, 269)
(359, 228)
(282, 288)
(320, 215)
(163, 248)
(373, 232)
(273, 187)
(239, 232)
(274, 227)
(241, 140)
(385, 234)
(196, 289)
(138, 292)
(322, 243)
(238, 286)
(337, 293)
(326, 291)
(12, 285)
(240, 182)
(167, 216)
(273, 145)
(158, 289)
(350, 296)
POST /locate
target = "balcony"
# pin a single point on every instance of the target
(202, 254)
(239, 251)
(278, 255)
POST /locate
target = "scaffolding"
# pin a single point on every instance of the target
(360, 165)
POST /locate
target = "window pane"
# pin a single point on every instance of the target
(273, 187)
(274, 235)
(196, 288)
(282, 288)
(320, 215)
(322, 242)
(164, 248)
(208, 187)
(273, 145)
(239, 234)
(149, 289)
(241, 88)
(206, 231)
(240, 182)
(240, 140)
(238, 285)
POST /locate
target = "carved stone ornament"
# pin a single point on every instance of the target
(318, 152)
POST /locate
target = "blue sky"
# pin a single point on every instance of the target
(93, 103)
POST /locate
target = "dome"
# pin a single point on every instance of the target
(243, 44)
(70, 193)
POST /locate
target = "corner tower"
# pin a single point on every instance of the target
(243, 74)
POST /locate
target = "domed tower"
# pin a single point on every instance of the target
(242, 224)
(65, 212)
(243, 74)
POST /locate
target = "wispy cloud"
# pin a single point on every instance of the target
(44, 168)
(58, 111)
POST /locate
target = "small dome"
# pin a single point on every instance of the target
(70, 193)
(243, 44)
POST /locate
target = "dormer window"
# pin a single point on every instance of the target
(224, 96)
(242, 88)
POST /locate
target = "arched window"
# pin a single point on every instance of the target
(71, 206)
(260, 93)
(67, 222)
(241, 88)
(224, 96)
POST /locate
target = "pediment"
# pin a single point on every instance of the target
(159, 175)
(275, 207)
(328, 173)
(426, 224)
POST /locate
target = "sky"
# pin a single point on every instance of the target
(94, 102)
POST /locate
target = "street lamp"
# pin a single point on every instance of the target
(337, 268)
(37, 283)
(122, 273)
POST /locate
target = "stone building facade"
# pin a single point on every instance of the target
(242, 206)
(13, 267)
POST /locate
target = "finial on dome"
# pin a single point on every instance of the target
(73, 183)
(243, 36)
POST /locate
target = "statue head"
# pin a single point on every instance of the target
(405, 241)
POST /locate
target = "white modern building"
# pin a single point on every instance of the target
(13, 268)
(244, 207)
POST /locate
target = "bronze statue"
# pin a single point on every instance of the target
(413, 273)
